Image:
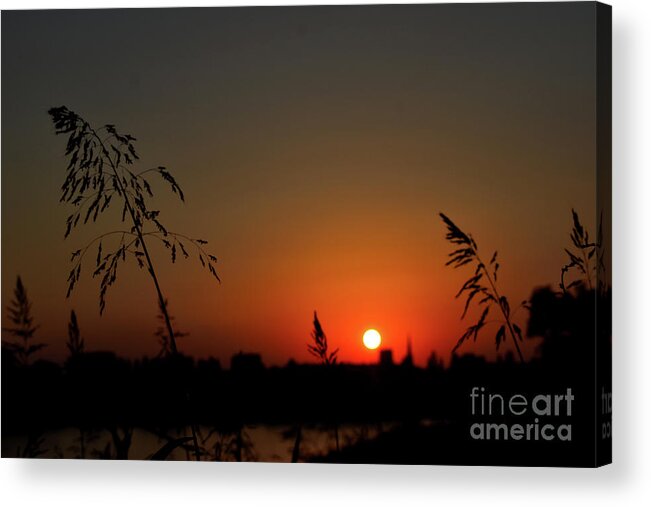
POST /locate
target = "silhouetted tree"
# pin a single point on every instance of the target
(566, 324)
(482, 284)
(565, 320)
(23, 327)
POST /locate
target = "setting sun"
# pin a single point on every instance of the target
(372, 339)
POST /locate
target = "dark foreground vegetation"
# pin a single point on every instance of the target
(428, 408)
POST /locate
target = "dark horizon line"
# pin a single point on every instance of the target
(406, 361)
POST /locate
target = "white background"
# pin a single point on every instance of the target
(626, 482)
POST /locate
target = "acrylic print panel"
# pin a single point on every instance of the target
(346, 234)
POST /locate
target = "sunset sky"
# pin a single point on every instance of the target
(315, 147)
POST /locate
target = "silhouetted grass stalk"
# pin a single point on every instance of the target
(588, 260)
(467, 253)
(87, 184)
(23, 326)
(505, 312)
(328, 359)
(296, 451)
(143, 244)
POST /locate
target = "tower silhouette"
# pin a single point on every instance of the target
(408, 361)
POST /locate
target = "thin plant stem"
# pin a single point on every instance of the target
(150, 265)
(496, 294)
(89, 153)
(152, 273)
(587, 269)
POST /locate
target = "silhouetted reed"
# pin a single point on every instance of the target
(99, 170)
(23, 327)
(320, 350)
(163, 453)
(75, 342)
(86, 438)
(121, 437)
(20, 353)
(33, 447)
(99, 173)
(320, 347)
(164, 338)
(582, 256)
(298, 437)
(228, 444)
(482, 284)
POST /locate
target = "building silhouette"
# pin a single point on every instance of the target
(408, 361)
(386, 358)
